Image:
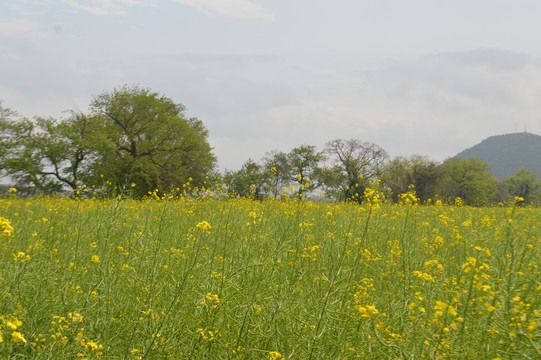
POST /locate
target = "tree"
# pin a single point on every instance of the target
(7, 118)
(250, 181)
(278, 165)
(417, 170)
(133, 135)
(47, 155)
(355, 164)
(398, 177)
(304, 162)
(152, 142)
(523, 184)
(426, 175)
(468, 179)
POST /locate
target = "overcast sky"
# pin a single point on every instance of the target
(429, 77)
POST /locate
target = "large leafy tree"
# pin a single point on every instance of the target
(355, 163)
(468, 179)
(133, 135)
(151, 141)
(523, 184)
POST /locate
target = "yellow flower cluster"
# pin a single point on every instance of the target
(203, 225)
(21, 257)
(212, 298)
(423, 275)
(208, 335)
(373, 196)
(9, 324)
(6, 227)
(470, 262)
(67, 330)
(367, 311)
(410, 197)
(442, 307)
(275, 355)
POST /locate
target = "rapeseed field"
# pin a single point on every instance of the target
(191, 278)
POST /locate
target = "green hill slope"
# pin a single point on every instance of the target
(506, 154)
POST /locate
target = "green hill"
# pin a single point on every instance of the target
(506, 154)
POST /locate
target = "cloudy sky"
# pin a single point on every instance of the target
(428, 77)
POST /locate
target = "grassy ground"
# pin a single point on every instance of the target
(185, 279)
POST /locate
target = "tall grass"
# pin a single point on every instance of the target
(226, 279)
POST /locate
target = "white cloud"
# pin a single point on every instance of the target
(98, 8)
(15, 27)
(440, 104)
(107, 7)
(243, 9)
(20, 10)
(436, 105)
(38, 2)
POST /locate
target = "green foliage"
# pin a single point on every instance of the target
(468, 179)
(398, 177)
(251, 181)
(153, 144)
(133, 136)
(279, 166)
(524, 184)
(45, 155)
(355, 163)
(305, 161)
(417, 170)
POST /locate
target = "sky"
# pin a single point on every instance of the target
(428, 77)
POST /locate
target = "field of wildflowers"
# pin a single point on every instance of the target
(224, 279)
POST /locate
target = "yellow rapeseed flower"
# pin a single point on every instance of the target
(203, 225)
(275, 355)
(17, 337)
(6, 227)
(13, 325)
(367, 311)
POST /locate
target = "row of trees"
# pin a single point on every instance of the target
(345, 168)
(135, 138)
(352, 165)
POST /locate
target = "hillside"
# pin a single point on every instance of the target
(506, 154)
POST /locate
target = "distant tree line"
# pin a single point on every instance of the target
(134, 138)
(345, 168)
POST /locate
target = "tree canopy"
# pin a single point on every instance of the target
(132, 135)
(355, 164)
(523, 184)
(468, 179)
(151, 143)
(417, 170)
